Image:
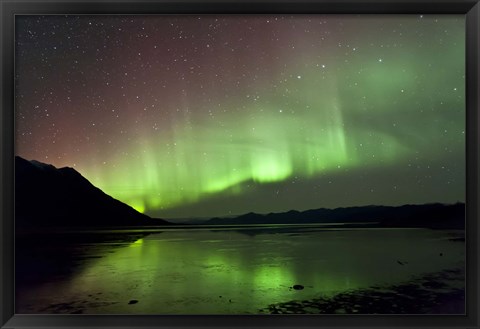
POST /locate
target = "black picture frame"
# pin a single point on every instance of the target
(10, 8)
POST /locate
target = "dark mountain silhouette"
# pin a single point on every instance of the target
(51, 197)
(435, 215)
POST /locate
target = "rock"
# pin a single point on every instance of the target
(298, 287)
(133, 301)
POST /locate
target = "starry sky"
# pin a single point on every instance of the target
(217, 115)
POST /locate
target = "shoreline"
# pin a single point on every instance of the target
(434, 293)
(64, 255)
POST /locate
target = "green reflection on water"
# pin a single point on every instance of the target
(206, 272)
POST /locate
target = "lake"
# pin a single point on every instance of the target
(237, 270)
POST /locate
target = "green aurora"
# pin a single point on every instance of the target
(256, 114)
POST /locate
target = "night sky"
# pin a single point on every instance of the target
(197, 116)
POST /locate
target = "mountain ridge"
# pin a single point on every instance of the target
(48, 196)
(432, 215)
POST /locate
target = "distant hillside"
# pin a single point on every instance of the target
(47, 196)
(433, 215)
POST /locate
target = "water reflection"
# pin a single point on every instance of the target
(189, 271)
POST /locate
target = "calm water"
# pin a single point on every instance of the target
(215, 271)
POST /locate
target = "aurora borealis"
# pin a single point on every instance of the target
(195, 116)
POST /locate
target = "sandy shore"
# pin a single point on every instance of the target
(438, 293)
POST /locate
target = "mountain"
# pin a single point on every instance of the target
(50, 196)
(435, 215)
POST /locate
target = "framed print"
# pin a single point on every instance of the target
(271, 164)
